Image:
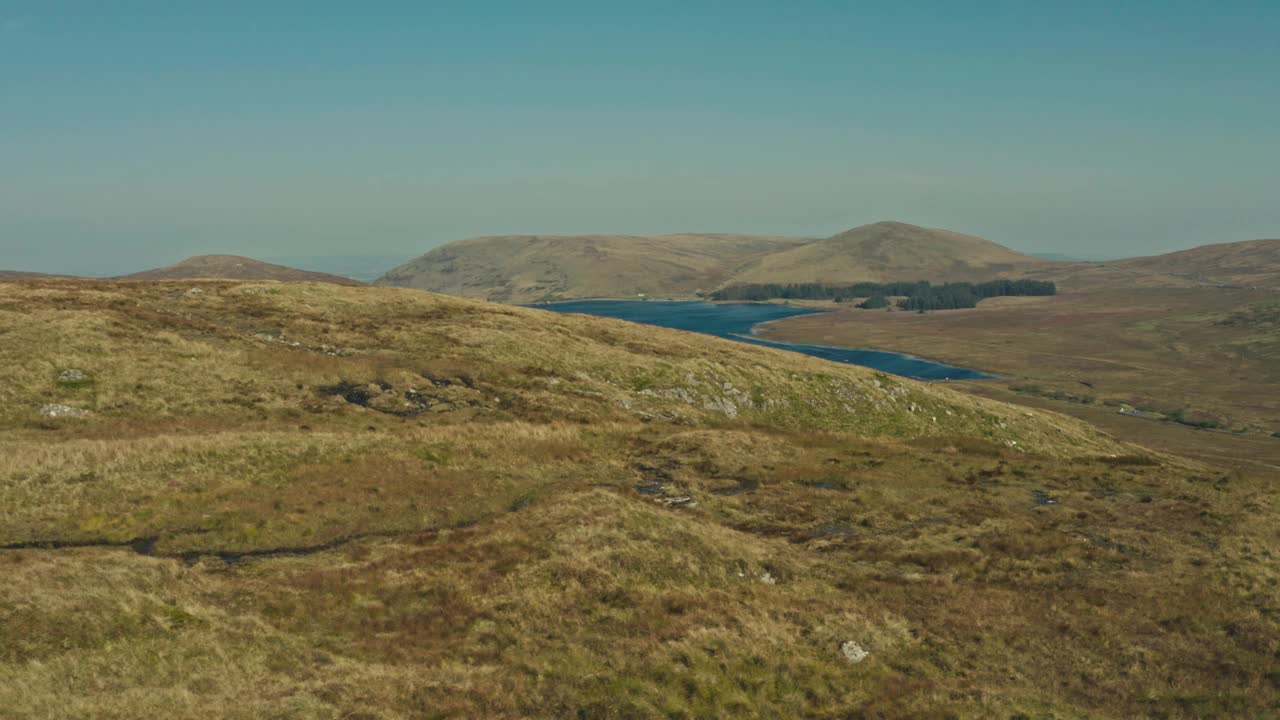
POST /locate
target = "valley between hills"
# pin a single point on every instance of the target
(1178, 351)
(289, 495)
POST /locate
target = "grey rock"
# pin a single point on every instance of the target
(72, 376)
(853, 652)
(62, 411)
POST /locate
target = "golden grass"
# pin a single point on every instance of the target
(1212, 352)
(260, 546)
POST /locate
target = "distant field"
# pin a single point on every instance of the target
(1206, 356)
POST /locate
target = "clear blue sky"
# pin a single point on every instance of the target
(137, 133)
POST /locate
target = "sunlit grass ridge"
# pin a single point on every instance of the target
(314, 501)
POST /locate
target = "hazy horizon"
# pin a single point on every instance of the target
(139, 134)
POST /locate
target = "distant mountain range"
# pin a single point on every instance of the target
(529, 268)
(537, 268)
(210, 267)
(532, 268)
(19, 275)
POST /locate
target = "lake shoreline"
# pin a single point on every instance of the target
(740, 322)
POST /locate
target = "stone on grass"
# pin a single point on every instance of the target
(62, 411)
(72, 376)
(853, 652)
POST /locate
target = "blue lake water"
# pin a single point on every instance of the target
(736, 320)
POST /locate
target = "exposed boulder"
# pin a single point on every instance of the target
(853, 652)
(54, 410)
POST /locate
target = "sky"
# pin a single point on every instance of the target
(134, 134)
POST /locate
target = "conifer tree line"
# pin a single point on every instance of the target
(915, 295)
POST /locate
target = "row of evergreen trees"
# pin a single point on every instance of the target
(916, 295)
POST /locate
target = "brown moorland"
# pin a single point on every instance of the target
(1252, 263)
(1190, 370)
(312, 501)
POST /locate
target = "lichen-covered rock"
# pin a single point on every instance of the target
(62, 411)
(72, 376)
(853, 652)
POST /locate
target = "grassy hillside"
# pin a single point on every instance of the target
(532, 268)
(313, 501)
(234, 267)
(1253, 263)
(889, 252)
(1185, 357)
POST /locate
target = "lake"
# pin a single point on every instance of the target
(736, 321)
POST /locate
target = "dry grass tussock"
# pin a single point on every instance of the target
(430, 507)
